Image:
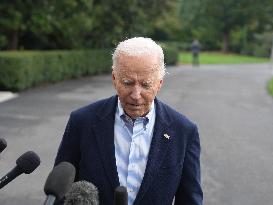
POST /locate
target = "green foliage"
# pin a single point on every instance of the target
(70, 24)
(171, 52)
(24, 69)
(21, 70)
(270, 87)
(167, 26)
(127, 19)
(44, 24)
(220, 58)
(260, 46)
(215, 22)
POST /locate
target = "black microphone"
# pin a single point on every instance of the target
(26, 163)
(3, 144)
(121, 196)
(82, 193)
(59, 182)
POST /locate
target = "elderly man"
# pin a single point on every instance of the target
(133, 139)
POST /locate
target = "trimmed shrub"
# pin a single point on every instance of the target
(20, 70)
(24, 69)
(171, 52)
(270, 87)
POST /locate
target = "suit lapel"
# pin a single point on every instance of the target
(159, 146)
(104, 132)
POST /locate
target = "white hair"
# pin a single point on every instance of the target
(139, 46)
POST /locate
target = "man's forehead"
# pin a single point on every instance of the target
(151, 58)
(144, 62)
(137, 65)
(145, 79)
(150, 72)
(145, 69)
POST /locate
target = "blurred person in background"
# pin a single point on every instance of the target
(195, 48)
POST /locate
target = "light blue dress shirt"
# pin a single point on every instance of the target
(132, 144)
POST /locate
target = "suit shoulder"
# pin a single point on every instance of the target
(90, 110)
(178, 118)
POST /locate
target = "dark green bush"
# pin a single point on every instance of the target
(171, 52)
(270, 86)
(24, 69)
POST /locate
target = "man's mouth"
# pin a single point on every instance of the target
(135, 105)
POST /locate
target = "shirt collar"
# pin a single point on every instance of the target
(146, 119)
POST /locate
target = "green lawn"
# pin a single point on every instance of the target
(220, 58)
(270, 86)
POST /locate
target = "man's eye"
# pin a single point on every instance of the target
(146, 85)
(127, 82)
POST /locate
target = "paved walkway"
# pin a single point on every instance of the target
(229, 103)
(6, 95)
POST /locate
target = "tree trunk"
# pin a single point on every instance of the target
(225, 42)
(13, 41)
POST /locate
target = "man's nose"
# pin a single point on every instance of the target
(136, 93)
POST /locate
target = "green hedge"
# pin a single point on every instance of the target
(20, 70)
(171, 52)
(270, 87)
(25, 69)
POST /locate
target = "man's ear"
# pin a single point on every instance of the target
(114, 79)
(160, 84)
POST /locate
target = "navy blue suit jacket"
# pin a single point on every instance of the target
(173, 167)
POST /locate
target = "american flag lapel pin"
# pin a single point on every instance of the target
(167, 136)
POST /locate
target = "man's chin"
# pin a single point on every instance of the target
(135, 115)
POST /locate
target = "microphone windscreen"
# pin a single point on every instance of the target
(60, 180)
(3, 144)
(121, 196)
(28, 162)
(82, 193)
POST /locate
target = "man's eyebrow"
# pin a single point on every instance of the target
(126, 80)
(123, 78)
(148, 80)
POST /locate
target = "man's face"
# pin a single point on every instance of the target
(137, 81)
